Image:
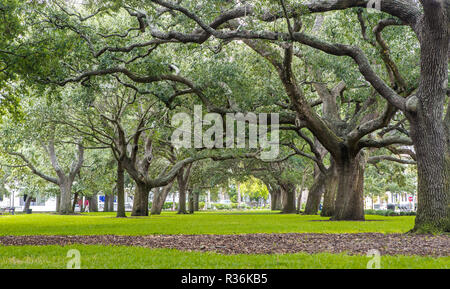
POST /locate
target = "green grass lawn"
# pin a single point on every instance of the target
(137, 257)
(199, 223)
(97, 256)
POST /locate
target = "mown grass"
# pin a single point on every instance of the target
(198, 223)
(137, 257)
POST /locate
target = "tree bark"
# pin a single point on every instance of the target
(349, 203)
(120, 191)
(140, 203)
(288, 190)
(299, 201)
(427, 127)
(239, 195)
(106, 207)
(183, 180)
(315, 194)
(196, 201)
(329, 198)
(75, 200)
(93, 203)
(181, 195)
(159, 198)
(26, 206)
(275, 193)
(432, 167)
(58, 203)
(111, 202)
(66, 201)
(191, 201)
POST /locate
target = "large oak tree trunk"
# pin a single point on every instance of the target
(65, 206)
(329, 198)
(432, 197)
(275, 197)
(447, 163)
(120, 191)
(427, 127)
(140, 202)
(288, 191)
(349, 203)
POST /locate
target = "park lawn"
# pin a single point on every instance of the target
(198, 223)
(121, 257)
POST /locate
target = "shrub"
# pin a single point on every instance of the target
(388, 213)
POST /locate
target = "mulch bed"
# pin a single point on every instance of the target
(353, 244)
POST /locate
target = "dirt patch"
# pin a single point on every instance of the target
(353, 244)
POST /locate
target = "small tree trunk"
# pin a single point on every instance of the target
(299, 201)
(106, 204)
(349, 203)
(58, 203)
(111, 202)
(191, 201)
(120, 191)
(140, 202)
(75, 200)
(239, 195)
(196, 201)
(182, 202)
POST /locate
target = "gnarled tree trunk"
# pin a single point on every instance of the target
(140, 203)
(275, 197)
(329, 198)
(349, 203)
(427, 127)
(288, 192)
(159, 198)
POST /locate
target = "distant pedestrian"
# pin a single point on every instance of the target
(86, 205)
